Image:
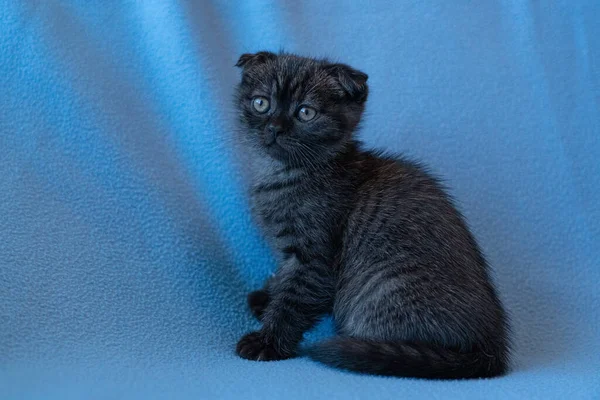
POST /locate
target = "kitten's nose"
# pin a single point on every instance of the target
(274, 129)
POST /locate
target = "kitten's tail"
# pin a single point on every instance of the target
(407, 359)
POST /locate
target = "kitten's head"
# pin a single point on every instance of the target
(299, 110)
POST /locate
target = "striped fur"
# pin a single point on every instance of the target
(370, 238)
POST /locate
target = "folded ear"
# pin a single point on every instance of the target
(353, 81)
(248, 60)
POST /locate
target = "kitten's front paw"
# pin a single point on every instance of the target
(257, 301)
(254, 346)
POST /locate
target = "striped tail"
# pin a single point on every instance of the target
(407, 359)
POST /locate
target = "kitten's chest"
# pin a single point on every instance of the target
(282, 203)
(291, 208)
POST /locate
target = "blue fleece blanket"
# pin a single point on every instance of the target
(126, 245)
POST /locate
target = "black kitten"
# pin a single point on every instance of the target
(371, 238)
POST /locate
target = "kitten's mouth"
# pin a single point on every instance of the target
(275, 150)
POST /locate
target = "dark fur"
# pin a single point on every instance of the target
(371, 238)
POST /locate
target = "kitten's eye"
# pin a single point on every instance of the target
(305, 114)
(260, 104)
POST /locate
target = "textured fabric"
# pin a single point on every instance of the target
(126, 245)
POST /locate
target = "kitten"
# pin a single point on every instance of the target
(370, 238)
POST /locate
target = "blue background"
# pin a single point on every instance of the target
(126, 246)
